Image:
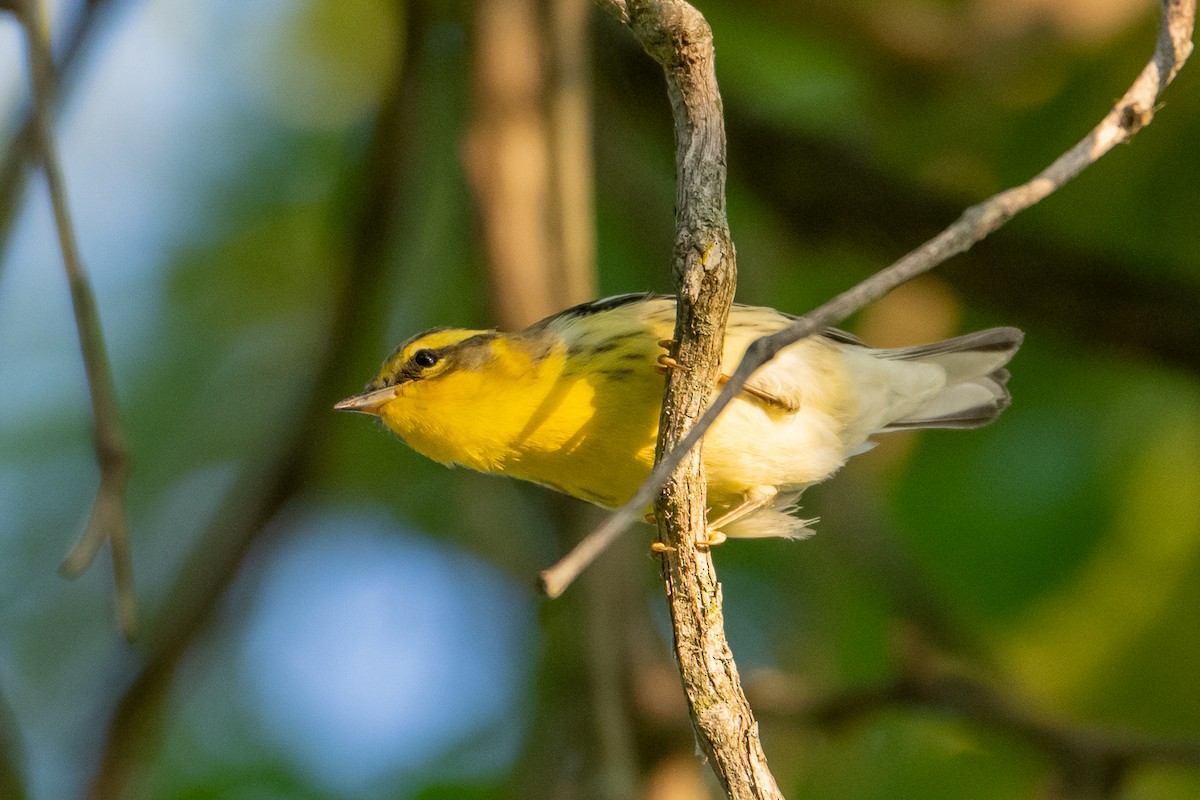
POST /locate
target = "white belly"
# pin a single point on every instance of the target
(751, 446)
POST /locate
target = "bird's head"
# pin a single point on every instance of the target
(459, 396)
(432, 356)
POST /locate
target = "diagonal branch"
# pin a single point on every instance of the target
(108, 513)
(677, 36)
(1131, 113)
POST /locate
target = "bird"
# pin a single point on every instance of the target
(572, 402)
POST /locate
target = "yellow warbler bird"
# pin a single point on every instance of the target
(572, 402)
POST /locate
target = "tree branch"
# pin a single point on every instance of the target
(677, 36)
(270, 478)
(1131, 113)
(108, 513)
(528, 156)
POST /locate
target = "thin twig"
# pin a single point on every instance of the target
(108, 514)
(271, 477)
(1131, 113)
(677, 36)
(76, 35)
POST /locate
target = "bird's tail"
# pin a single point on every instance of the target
(975, 392)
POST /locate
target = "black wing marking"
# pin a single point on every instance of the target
(598, 306)
(607, 304)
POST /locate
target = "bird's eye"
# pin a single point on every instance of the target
(425, 358)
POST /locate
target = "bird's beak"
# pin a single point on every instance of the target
(368, 402)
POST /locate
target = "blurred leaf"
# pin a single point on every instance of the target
(791, 74)
(1149, 553)
(459, 791)
(917, 756)
(328, 64)
(1163, 783)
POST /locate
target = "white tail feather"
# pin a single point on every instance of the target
(975, 390)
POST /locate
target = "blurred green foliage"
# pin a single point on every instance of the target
(1060, 547)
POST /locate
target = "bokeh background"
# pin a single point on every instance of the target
(271, 195)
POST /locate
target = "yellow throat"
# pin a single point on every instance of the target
(524, 406)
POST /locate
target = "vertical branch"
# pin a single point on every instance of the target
(569, 101)
(108, 514)
(613, 773)
(529, 158)
(677, 36)
(507, 159)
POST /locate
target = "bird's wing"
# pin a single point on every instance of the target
(806, 368)
(769, 392)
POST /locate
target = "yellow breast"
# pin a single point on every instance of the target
(584, 425)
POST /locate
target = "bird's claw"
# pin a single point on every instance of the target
(711, 539)
(666, 363)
